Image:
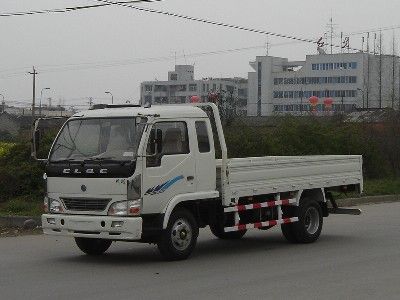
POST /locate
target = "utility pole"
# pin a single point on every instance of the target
(33, 73)
(368, 69)
(380, 70)
(394, 70)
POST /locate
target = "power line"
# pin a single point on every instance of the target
(126, 62)
(117, 63)
(221, 24)
(67, 9)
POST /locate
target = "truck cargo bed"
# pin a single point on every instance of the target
(276, 174)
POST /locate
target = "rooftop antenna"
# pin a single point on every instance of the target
(267, 46)
(184, 56)
(331, 27)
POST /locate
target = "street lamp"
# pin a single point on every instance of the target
(112, 97)
(3, 103)
(40, 104)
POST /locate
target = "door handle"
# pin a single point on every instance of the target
(190, 178)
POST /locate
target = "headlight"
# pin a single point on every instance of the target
(55, 206)
(125, 208)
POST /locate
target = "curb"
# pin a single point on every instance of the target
(368, 200)
(23, 221)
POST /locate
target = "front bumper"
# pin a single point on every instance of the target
(129, 229)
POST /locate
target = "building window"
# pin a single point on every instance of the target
(148, 88)
(160, 88)
(192, 87)
(147, 99)
(242, 92)
(174, 76)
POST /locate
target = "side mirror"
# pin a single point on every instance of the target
(151, 150)
(36, 139)
(155, 142)
(159, 140)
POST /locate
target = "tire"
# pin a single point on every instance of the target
(219, 232)
(308, 228)
(288, 233)
(178, 240)
(93, 246)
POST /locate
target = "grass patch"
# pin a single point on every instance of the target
(5, 148)
(22, 206)
(388, 186)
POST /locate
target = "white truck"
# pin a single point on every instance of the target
(150, 174)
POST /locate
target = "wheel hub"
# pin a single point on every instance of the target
(181, 234)
(311, 220)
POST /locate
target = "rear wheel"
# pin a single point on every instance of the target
(309, 226)
(179, 239)
(93, 246)
(218, 231)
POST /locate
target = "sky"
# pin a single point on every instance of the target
(85, 53)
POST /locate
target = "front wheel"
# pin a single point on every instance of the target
(93, 246)
(308, 228)
(179, 238)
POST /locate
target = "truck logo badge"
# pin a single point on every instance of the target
(87, 171)
(83, 188)
(163, 187)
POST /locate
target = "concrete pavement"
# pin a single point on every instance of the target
(357, 257)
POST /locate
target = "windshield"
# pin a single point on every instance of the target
(98, 139)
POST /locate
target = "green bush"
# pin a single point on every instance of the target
(5, 148)
(22, 206)
(313, 136)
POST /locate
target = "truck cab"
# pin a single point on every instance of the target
(114, 173)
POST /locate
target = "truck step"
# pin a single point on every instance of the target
(238, 208)
(241, 227)
(345, 211)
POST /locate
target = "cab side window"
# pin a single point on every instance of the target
(167, 138)
(203, 140)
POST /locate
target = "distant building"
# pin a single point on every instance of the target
(53, 111)
(181, 86)
(12, 124)
(352, 80)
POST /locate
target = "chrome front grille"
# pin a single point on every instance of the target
(86, 204)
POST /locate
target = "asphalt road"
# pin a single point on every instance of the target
(357, 257)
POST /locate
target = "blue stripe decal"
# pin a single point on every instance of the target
(158, 189)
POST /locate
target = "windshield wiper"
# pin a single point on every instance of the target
(106, 160)
(65, 160)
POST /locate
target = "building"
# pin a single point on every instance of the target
(352, 80)
(181, 86)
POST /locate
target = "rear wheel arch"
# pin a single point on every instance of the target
(317, 195)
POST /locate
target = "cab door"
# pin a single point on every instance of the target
(169, 168)
(205, 156)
